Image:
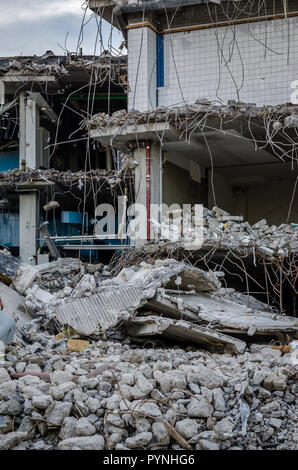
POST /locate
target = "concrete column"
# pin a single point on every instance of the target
(28, 201)
(32, 124)
(22, 132)
(2, 93)
(140, 176)
(155, 183)
(29, 222)
(142, 69)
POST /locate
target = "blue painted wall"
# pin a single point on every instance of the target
(9, 228)
(9, 160)
(160, 61)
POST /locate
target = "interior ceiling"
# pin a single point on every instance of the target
(232, 155)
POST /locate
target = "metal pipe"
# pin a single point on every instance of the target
(148, 187)
(97, 247)
(85, 237)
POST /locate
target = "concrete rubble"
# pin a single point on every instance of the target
(176, 115)
(92, 302)
(116, 396)
(9, 266)
(59, 66)
(231, 232)
(111, 179)
(157, 356)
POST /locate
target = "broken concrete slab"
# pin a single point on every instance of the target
(97, 313)
(171, 307)
(182, 331)
(231, 317)
(37, 299)
(7, 328)
(59, 264)
(24, 278)
(170, 274)
(26, 274)
(118, 298)
(13, 304)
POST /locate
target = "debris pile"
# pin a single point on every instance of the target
(17, 177)
(229, 232)
(9, 266)
(220, 227)
(51, 64)
(158, 300)
(281, 116)
(159, 356)
(114, 396)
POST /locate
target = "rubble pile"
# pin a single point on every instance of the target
(116, 396)
(228, 232)
(67, 178)
(162, 298)
(159, 356)
(51, 64)
(232, 232)
(59, 278)
(281, 116)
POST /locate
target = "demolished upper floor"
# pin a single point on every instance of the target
(220, 50)
(61, 73)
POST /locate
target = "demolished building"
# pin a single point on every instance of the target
(153, 342)
(210, 121)
(49, 174)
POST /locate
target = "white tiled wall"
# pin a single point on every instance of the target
(142, 78)
(258, 59)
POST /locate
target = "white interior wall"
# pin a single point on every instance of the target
(270, 202)
(223, 192)
(257, 60)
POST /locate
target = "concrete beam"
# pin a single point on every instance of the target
(120, 136)
(2, 92)
(32, 123)
(155, 182)
(14, 78)
(43, 106)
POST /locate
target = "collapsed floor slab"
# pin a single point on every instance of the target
(120, 297)
(183, 331)
(171, 307)
(170, 274)
(231, 317)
